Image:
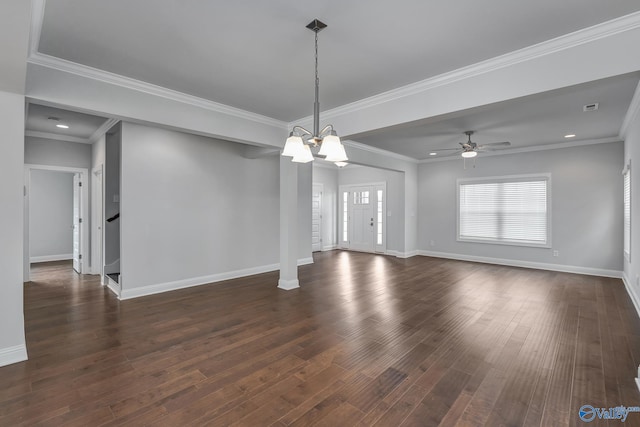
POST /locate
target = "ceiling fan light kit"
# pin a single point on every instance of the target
(470, 149)
(298, 145)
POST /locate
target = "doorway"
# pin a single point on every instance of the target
(40, 181)
(97, 218)
(363, 217)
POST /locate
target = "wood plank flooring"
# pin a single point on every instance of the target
(367, 340)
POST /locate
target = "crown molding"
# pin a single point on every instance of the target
(55, 136)
(37, 18)
(380, 151)
(632, 113)
(85, 71)
(560, 145)
(108, 124)
(567, 41)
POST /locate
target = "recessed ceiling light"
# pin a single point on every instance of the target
(570, 136)
(433, 154)
(61, 126)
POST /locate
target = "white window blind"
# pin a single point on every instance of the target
(504, 211)
(627, 212)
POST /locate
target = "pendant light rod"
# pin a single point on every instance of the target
(300, 140)
(316, 104)
(316, 26)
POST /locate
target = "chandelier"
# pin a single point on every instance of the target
(300, 140)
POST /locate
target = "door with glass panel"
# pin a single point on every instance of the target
(362, 218)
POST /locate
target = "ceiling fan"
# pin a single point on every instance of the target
(470, 149)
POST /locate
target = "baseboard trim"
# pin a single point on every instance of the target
(49, 258)
(329, 248)
(203, 280)
(301, 261)
(114, 287)
(11, 355)
(288, 285)
(527, 264)
(403, 255)
(635, 298)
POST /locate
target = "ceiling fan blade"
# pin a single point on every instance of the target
(497, 144)
(494, 146)
(445, 149)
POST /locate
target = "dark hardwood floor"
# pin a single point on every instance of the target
(367, 340)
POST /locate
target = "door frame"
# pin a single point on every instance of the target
(321, 219)
(84, 210)
(97, 220)
(376, 186)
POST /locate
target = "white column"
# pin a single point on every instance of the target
(288, 224)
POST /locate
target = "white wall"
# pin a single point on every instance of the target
(305, 187)
(632, 153)
(586, 206)
(98, 152)
(354, 175)
(12, 341)
(328, 177)
(194, 210)
(40, 151)
(51, 215)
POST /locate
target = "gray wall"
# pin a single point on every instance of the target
(353, 175)
(39, 151)
(632, 153)
(586, 205)
(195, 207)
(11, 228)
(329, 180)
(51, 215)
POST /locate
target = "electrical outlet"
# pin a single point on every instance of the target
(556, 253)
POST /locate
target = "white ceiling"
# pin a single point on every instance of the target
(258, 56)
(540, 119)
(81, 126)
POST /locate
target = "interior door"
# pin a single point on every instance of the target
(316, 218)
(77, 220)
(361, 235)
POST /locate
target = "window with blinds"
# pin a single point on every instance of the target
(627, 212)
(506, 210)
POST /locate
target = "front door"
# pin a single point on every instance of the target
(77, 220)
(362, 219)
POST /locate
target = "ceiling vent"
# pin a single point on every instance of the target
(590, 107)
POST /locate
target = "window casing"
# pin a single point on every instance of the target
(510, 210)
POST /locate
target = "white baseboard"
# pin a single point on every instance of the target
(114, 286)
(11, 355)
(402, 254)
(635, 298)
(49, 258)
(288, 285)
(329, 248)
(527, 264)
(125, 294)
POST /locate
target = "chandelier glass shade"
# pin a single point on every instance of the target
(300, 141)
